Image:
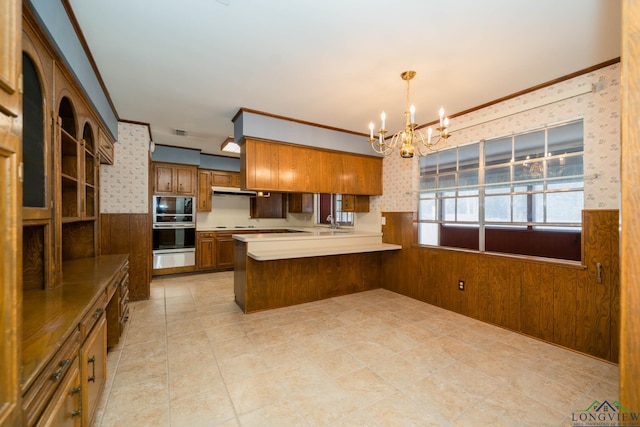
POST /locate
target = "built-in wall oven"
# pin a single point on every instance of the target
(174, 231)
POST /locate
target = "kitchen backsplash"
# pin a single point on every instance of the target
(234, 212)
(600, 111)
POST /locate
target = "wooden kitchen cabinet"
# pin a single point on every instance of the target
(204, 191)
(301, 202)
(224, 250)
(225, 178)
(118, 307)
(93, 369)
(273, 166)
(205, 250)
(65, 409)
(273, 206)
(208, 178)
(174, 179)
(355, 203)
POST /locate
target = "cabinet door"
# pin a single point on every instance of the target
(10, 214)
(301, 203)
(266, 161)
(206, 254)
(93, 369)
(224, 252)
(204, 191)
(221, 178)
(163, 176)
(355, 203)
(64, 410)
(185, 181)
(274, 206)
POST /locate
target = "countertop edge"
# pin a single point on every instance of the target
(271, 255)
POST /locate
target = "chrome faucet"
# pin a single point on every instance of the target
(332, 220)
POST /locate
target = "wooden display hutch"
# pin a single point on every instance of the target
(66, 286)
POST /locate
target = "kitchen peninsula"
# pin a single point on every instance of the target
(283, 269)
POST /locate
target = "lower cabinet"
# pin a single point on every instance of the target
(65, 409)
(205, 250)
(93, 369)
(224, 251)
(214, 249)
(118, 308)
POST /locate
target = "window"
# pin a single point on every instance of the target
(331, 204)
(517, 194)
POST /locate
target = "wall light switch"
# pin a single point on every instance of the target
(384, 220)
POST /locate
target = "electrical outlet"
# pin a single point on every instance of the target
(461, 285)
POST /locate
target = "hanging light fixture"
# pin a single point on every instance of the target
(410, 140)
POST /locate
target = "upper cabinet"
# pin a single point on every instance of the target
(204, 191)
(176, 179)
(208, 178)
(274, 166)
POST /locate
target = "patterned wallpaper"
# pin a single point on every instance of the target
(124, 186)
(600, 111)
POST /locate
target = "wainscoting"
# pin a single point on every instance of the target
(130, 233)
(559, 302)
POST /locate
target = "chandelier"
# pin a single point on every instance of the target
(410, 140)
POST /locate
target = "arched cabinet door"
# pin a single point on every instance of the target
(11, 212)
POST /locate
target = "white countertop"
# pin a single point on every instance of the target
(311, 242)
(305, 233)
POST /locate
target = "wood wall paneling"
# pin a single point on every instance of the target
(564, 306)
(130, 233)
(547, 300)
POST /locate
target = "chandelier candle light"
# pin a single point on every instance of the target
(410, 140)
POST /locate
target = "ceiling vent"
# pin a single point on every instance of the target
(180, 132)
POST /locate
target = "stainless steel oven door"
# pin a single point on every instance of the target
(171, 258)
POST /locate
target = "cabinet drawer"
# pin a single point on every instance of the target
(124, 317)
(93, 315)
(93, 369)
(65, 407)
(207, 235)
(124, 286)
(112, 288)
(50, 378)
(124, 300)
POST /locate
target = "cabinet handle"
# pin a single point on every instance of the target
(76, 390)
(76, 413)
(599, 270)
(98, 313)
(92, 360)
(63, 364)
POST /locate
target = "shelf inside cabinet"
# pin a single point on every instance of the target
(69, 201)
(89, 202)
(89, 169)
(69, 151)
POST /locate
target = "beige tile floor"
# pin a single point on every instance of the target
(190, 357)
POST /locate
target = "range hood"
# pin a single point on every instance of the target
(231, 191)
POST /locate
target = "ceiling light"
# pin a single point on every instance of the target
(410, 140)
(229, 146)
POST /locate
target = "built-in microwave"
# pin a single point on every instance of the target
(169, 210)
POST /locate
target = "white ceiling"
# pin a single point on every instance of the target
(191, 64)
